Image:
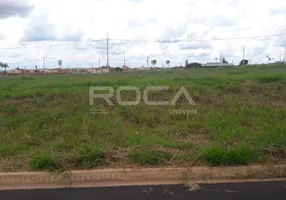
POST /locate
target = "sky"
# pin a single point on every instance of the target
(75, 31)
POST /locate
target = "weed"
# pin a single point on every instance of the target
(52, 114)
(44, 162)
(270, 78)
(10, 109)
(151, 157)
(216, 155)
(5, 151)
(90, 157)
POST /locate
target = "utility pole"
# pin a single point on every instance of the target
(44, 62)
(147, 61)
(285, 44)
(107, 53)
(284, 55)
(243, 50)
(124, 59)
(220, 59)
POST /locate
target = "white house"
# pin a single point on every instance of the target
(16, 71)
(280, 62)
(142, 68)
(217, 64)
(98, 70)
(125, 68)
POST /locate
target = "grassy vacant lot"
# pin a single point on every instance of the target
(45, 122)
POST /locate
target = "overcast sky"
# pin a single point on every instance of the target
(75, 31)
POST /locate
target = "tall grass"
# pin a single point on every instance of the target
(45, 122)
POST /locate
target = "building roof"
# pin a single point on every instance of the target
(217, 64)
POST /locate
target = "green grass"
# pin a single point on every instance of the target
(241, 113)
(270, 78)
(44, 162)
(5, 151)
(151, 157)
(218, 155)
(89, 157)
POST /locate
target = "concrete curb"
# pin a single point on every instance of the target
(150, 176)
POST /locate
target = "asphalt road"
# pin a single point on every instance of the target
(229, 191)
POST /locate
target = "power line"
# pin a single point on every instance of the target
(52, 45)
(152, 41)
(199, 40)
(285, 41)
(107, 52)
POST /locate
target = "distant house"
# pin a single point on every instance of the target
(280, 62)
(56, 71)
(97, 70)
(155, 69)
(142, 68)
(194, 65)
(16, 71)
(178, 67)
(216, 64)
(125, 68)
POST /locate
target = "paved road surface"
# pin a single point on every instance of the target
(232, 191)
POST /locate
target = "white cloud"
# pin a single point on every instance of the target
(83, 20)
(11, 8)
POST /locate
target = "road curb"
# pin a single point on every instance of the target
(149, 176)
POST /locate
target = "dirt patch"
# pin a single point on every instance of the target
(197, 139)
(119, 157)
(276, 152)
(13, 165)
(256, 95)
(210, 99)
(21, 104)
(261, 100)
(171, 150)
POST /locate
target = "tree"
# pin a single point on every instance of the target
(168, 63)
(154, 62)
(243, 62)
(223, 60)
(60, 62)
(118, 69)
(193, 65)
(187, 63)
(269, 58)
(4, 65)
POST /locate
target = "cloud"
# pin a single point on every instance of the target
(282, 42)
(40, 29)
(117, 52)
(39, 33)
(197, 45)
(221, 21)
(53, 21)
(259, 50)
(12, 8)
(278, 9)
